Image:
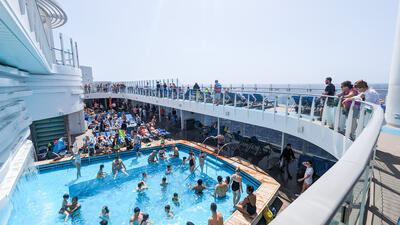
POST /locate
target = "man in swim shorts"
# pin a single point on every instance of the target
(117, 165)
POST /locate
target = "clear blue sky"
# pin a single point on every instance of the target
(235, 41)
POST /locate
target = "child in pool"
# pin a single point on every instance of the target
(64, 206)
(175, 199)
(169, 169)
(105, 213)
(101, 174)
(168, 212)
(164, 181)
(141, 186)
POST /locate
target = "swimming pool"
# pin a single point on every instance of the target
(38, 197)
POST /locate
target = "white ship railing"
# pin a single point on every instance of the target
(339, 196)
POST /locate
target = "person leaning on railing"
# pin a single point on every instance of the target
(367, 94)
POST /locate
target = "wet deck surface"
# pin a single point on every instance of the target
(384, 204)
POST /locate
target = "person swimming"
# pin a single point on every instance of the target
(220, 188)
(175, 199)
(145, 176)
(153, 157)
(137, 217)
(168, 170)
(64, 206)
(161, 154)
(175, 154)
(145, 220)
(141, 186)
(74, 205)
(105, 213)
(184, 159)
(167, 210)
(164, 181)
(100, 173)
(199, 187)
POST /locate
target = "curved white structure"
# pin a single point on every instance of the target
(343, 189)
(53, 11)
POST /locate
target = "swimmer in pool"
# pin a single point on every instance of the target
(168, 212)
(175, 199)
(105, 213)
(137, 217)
(162, 155)
(169, 169)
(145, 176)
(202, 158)
(141, 186)
(221, 188)
(153, 157)
(199, 187)
(184, 159)
(64, 206)
(164, 181)
(117, 165)
(175, 154)
(100, 173)
(74, 205)
(192, 162)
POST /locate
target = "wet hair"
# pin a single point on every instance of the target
(103, 222)
(66, 196)
(136, 210)
(75, 199)
(360, 84)
(167, 207)
(219, 178)
(144, 174)
(250, 188)
(140, 184)
(164, 179)
(175, 194)
(199, 181)
(101, 166)
(228, 179)
(329, 78)
(106, 209)
(347, 84)
(184, 158)
(213, 207)
(189, 223)
(145, 217)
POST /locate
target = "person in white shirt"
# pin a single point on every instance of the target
(307, 176)
(367, 94)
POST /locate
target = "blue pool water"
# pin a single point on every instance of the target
(38, 197)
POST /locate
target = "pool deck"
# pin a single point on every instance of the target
(384, 198)
(266, 192)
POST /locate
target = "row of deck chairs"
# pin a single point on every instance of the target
(306, 104)
(253, 100)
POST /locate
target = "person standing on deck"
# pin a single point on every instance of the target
(331, 91)
(217, 92)
(286, 157)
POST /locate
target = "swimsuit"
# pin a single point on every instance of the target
(235, 186)
(191, 162)
(250, 208)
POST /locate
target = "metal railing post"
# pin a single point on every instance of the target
(312, 109)
(62, 49)
(72, 52)
(299, 107)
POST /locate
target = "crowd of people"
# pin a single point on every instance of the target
(221, 189)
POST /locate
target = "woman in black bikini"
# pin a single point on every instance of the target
(236, 183)
(202, 158)
(248, 205)
(192, 162)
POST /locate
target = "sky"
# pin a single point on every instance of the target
(234, 41)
